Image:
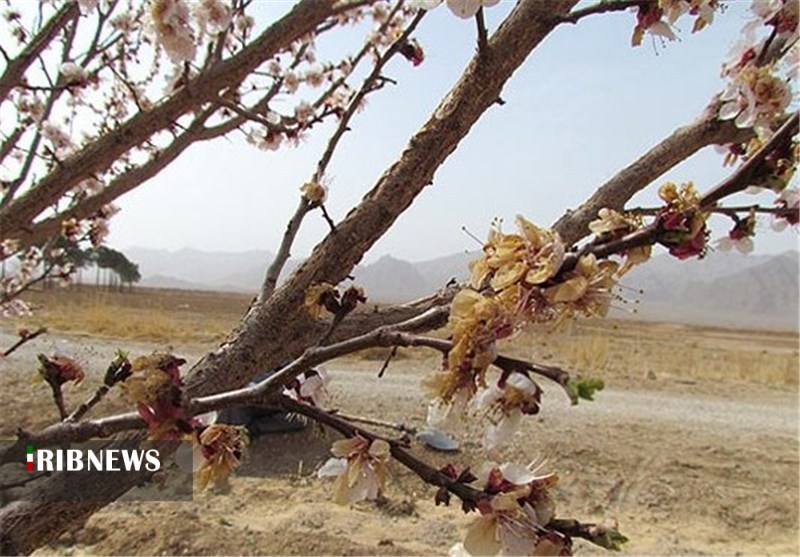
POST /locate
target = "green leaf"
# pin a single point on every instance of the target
(583, 388)
(612, 539)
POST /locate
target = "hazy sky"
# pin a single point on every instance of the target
(584, 105)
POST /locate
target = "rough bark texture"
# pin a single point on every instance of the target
(279, 328)
(680, 145)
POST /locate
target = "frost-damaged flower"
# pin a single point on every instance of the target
(740, 236)
(221, 448)
(755, 98)
(788, 199)
(586, 290)
(682, 224)
(612, 225)
(315, 192)
(528, 258)
(171, 22)
(155, 386)
(464, 9)
(515, 512)
(360, 468)
(503, 405)
(59, 369)
(319, 296)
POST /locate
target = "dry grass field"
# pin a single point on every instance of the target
(692, 448)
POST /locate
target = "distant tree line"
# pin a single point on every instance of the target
(113, 269)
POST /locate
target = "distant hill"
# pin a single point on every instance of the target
(726, 289)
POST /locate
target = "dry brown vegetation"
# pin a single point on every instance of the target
(692, 448)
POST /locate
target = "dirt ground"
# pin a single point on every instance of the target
(684, 464)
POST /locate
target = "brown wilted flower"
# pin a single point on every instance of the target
(319, 296)
(59, 369)
(222, 448)
(314, 192)
(156, 388)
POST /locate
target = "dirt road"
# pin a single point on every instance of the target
(683, 466)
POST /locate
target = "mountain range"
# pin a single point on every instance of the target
(725, 289)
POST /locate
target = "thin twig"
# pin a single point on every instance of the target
(23, 339)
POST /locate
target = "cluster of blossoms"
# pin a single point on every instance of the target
(154, 384)
(156, 388)
(518, 280)
(683, 223)
(173, 23)
(658, 18)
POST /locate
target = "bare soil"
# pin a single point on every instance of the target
(684, 465)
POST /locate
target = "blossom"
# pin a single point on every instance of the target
(648, 19)
(314, 76)
(213, 15)
(788, 199)
(155, 386)
(221, 448)
(266, 140)
(464, 9)
(360, 467)
(682, 223)
(303, 112)
(310, 387)
(514, 516)
(503, 406)
(72, 73)
(315, 192)
(586, 289)
(755, 98)
(530, 257)
(611, 225)
(740, 236)
(170, 21)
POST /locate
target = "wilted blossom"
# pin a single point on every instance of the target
(156, 388)
(315, 192)
(682, 223)
(59, 369)
(360, 467)
(611, 225)
(221, 448)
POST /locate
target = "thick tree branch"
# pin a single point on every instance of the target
(19, 65)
